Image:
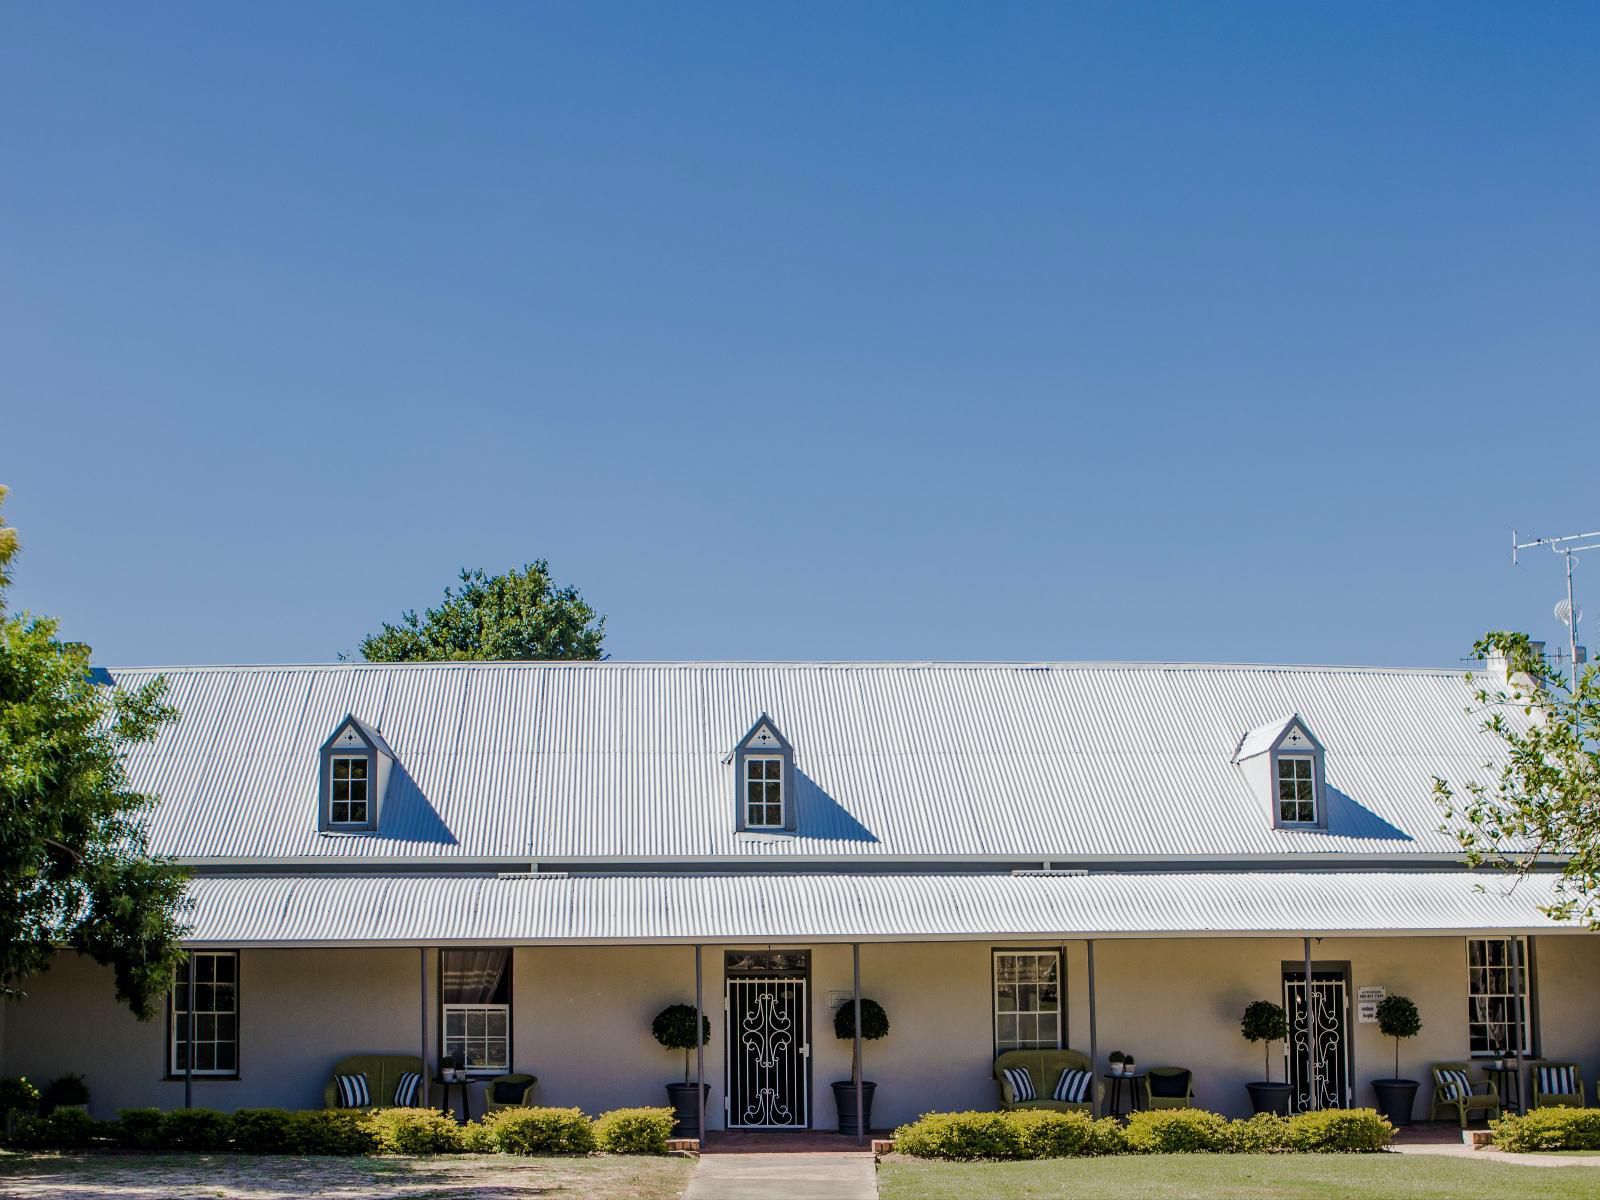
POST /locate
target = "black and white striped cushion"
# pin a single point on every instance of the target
(1021, 1084)
(405, 1092)
(1557, 1081)
(1073, 1086)
(1455, 1083)
(353, 1091)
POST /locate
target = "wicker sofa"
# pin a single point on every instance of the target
(1045, 1067)
(383, 1073)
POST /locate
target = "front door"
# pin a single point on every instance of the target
(1319, 1037)
(769, 1041)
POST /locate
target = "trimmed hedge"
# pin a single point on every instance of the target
(64, 1129)
(634, 1130)
(414, 1131)
(1557, 1128)
(265, 1131)
(202, 1129)
(1039, 1133)
(540, 1131)
(140, 1128)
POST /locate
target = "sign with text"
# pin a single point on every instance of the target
(1367, 1001)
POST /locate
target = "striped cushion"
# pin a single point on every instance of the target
(353, 1092)
(1557, 1081)
(1021, 1084)
(1073, 1086)
(405, 1092)
(1456, 1085)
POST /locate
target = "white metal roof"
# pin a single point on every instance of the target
(619, 761)
(789, 906)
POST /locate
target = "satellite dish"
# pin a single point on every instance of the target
(1563, 608)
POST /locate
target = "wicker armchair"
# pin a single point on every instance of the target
(1169, 1087)
(508, 1091)
(1557, 1083)
(1455, 1093)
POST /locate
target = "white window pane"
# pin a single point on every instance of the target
(1005, 1030)
(497, 1024)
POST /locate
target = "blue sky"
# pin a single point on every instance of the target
(1197, 331)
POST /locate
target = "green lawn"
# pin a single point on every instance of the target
(1236, 1177)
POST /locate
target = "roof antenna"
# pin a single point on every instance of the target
(1567, 611)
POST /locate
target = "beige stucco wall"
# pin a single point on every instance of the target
(581, 1018)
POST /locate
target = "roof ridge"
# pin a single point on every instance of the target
(819, 664)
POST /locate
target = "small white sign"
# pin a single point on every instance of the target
(1367, 1001)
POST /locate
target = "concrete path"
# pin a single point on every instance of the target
(821, 1176)
(1500, 1156)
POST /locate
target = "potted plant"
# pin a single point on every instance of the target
(449, 1066)
(1116, 1058)
(874, 1024)
(69, 1091)
(1397, 1018)
(674, 1029)
(1265, 1021)
(1129, 1067)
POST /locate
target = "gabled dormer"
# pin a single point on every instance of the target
(763, 773)
(1282, 761)
(354, 769)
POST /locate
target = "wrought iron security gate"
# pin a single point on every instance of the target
(1319, 1061)
(769, 1050)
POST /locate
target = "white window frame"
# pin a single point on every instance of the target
(462, 1045)
(1309, 763)
(1016, 1043)
(366, 789)
(1515, 962)
(177, 1022)
(744, 796)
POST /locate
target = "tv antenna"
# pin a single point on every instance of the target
(1567, 611)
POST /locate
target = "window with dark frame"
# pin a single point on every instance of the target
(347, 803)
(216, 1015)
(763, 793)
(1297, 790)
(1027, 1000)
(1497, 997)
(475, 1008)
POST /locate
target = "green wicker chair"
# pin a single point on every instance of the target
(1169, 1087)
(1448, 1094)
(1555, 1075)
(508, 1091)
(1044, 1068)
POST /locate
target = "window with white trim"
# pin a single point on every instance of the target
(1027, 1000)
(1297, 790)
(475, 1009)
(347, 798)
(763, 793)
(1497, 996)
(216, 1015)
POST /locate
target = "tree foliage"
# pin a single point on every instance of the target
(516, 616)
(673, 1027)
(1544, 797)
(74, 872)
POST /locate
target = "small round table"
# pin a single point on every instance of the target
(1116, 1109)
(1508, 1080)
(466, 1105)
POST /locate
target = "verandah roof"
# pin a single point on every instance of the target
(410, 910)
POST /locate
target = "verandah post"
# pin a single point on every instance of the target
(699, 1054)
(1094, 1038)
(422, 1023)
(855, 957)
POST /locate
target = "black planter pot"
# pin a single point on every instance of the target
(1270, 1097)
(1396, 1098)
(685, 1112)
(844, 1099)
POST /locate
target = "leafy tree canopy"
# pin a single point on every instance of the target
(516, 616)
(1545, 797)
(74, 872)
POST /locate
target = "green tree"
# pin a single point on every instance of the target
(1545, 798)
(74, 868)
(516, 616)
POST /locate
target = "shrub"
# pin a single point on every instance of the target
(414, 1131)
(541, 1130)
(634, 1130)
(1264, 1133)
(1045, 1133)
(196, 1129)
(66, 1129)
(331, 1131)
(17, 1095)
(1176, 1131)
(477, 1138)
(69, 1089)
(1347, 1130)
(1549, 1129)
(265, 1131)
(139, 1128)
(960, 1136)
(673, 1027)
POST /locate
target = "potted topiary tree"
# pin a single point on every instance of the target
(70, 1091)
(674, 1029)
(1265, 1021)
(1397, 1018)
(874, 1024)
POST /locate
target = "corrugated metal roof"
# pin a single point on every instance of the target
(602, 761)
(788, 906)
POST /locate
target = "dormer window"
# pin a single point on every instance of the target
(1297, 789)
(355, 764)
(348, 799)
(763, 793)
(763, 763)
